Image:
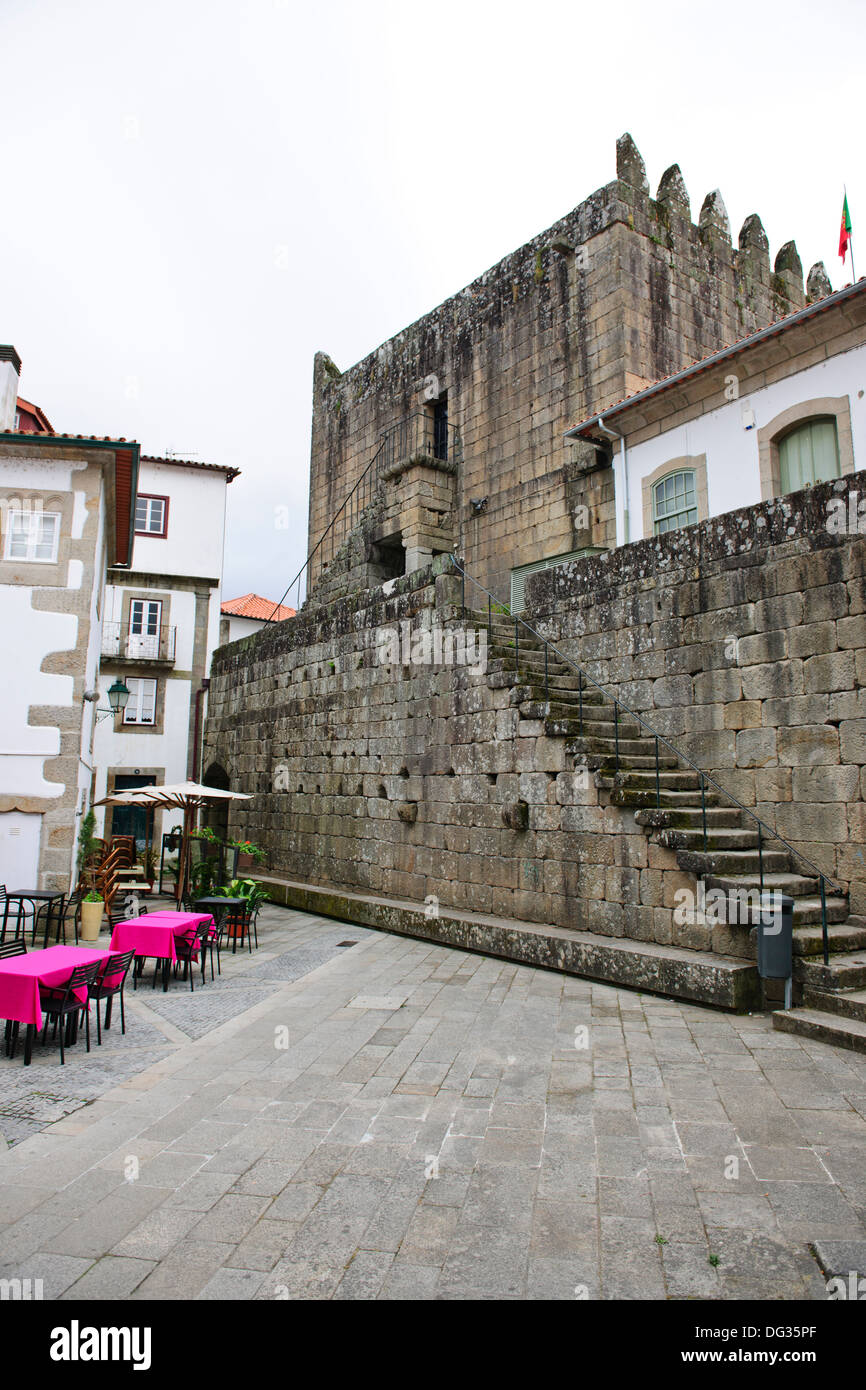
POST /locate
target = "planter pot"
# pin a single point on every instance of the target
(91, 921)
(246, 862)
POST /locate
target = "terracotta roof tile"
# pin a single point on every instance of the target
(254, 606)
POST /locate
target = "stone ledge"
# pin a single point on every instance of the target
(700, 976)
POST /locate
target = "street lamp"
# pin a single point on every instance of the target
(118, 697)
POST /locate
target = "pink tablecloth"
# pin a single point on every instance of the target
(153, 934)
(21, 976)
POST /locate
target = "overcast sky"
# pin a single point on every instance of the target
(202, 193)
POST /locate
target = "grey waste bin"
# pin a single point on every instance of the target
(775, 937)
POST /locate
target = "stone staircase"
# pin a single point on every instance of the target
(668, 805)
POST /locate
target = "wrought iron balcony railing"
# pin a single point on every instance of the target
(121, 643)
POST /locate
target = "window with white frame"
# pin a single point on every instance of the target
(141, 706)
(32, 535)
(151, 515)
(675, 501)
(145, 616)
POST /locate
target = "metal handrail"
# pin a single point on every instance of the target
(328, 529)
(704, 776)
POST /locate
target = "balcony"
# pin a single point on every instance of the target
(120, 644)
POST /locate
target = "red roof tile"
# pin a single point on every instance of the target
(254, 606)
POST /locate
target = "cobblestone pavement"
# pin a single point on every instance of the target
(394, 1119)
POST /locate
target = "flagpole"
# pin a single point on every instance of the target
(850, 239)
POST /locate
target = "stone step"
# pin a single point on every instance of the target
(795, 885)
(688, 817)
(605, 761)
(807, 910)
(809, 941)
(731, 861)
(594, 724)
(558, 687)
(559, 709)
(524, 671)
(646, 800)
(675, 780)
(701, 976)
(718, 837)
(848, 1004)
(823, 1026)
(842, 972)
(629, 748)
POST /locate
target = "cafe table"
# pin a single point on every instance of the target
(152, 936)
(218, 906)
(33, 896)
(21, 976)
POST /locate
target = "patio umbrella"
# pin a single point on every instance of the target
(182, 796)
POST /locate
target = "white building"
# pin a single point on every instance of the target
(161, 624)
(766, 416)
(66, 514)
(243, 616)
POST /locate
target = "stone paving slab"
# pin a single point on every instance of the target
(400, 1120)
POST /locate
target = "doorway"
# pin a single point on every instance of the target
(132, 820)
(20, 834)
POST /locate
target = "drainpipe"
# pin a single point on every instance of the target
(614, 434)
(196, 751)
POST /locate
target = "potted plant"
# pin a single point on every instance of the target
(88, 847)
(245, 888)
(249, 855)
(91, 916)
(202, 876)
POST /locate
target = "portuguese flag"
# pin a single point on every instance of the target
(845, 229)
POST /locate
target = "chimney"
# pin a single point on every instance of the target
(10, 371)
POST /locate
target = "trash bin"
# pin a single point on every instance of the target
(776, 937)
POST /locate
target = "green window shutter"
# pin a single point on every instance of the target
(809, 454)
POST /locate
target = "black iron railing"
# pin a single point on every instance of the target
(494, 606)
(121, 642)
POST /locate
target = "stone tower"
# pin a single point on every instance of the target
(450, 435)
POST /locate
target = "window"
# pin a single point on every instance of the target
(809, 454)
(145, 616)
(675, 501)
(33, 535)
(151, 515)
(520, 575)
(141, 706)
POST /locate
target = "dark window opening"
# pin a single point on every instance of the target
(440, 428)
(387, 559)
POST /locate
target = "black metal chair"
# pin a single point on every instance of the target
(71, 911)
(53, 912)
(108, 983)
(187, 945)
(235, 926)
(18, 947)
(210, 941)
(62, 1005)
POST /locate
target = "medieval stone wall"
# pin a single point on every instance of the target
(741, 638)
(622, 291)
